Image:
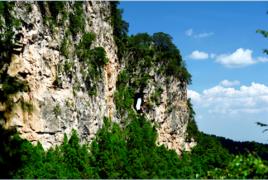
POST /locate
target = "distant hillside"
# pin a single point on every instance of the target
(237, 147)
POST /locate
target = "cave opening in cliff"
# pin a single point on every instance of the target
(138, 102)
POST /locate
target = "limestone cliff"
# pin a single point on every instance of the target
(51, 61)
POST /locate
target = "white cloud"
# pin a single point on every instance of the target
(198, 55)
(232, 112)
(203, 35)
(189, 32)
(227, 83)
(228, 100)
(240, 58)
(262, 59)
(195, 96)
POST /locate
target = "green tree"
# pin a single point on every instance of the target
(109, 153)
(265, 34)
(241, 167)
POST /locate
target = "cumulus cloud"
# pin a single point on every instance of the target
(227, 83)
(233, 111)
(198, 55)
(190, 32)
(240, 58)
(222, 99)
(195, 96)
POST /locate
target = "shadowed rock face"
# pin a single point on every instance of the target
(57, 90)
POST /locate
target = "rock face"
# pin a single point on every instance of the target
(170, 113)
(165, 104)
(57, 99)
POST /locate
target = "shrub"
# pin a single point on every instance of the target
(64, 48)
(57, 110)
(242, 167)
(93, 61)
(77, 19)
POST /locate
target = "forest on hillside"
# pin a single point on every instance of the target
(131, 151)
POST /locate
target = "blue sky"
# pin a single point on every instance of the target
(223, 52)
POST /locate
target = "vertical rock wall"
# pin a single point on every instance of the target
(58, 110)
(39, 61)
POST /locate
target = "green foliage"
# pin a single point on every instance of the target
(116, 152)
(124, 99)
(265, 34)
(156, 51)
(50, 11)
(10, 152)
(120, 28)
(55, 8)
(129, 152)
(192, 129)
(85, 44)
(77, 19)
(99, 56)
(7, 33)
(109, 153)
(68, 66)
(93, 61)
(156, 96)
(163, 42)
(140, 45)
(208, 154)
(124, 96)
(242, 167)
(64, 48)
(5, 12)
(69, 160)
(57, 110)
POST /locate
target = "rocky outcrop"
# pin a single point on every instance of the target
(59, 109)
(170, 113)
(165, 103)
(57, 99)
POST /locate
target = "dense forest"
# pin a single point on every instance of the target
(131, 151)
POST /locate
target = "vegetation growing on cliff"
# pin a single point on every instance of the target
(157, 50)
(93, 61)
(120, 28)
(116, 152)
(156, 54)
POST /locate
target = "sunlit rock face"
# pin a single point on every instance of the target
(59, 109)
(57, 90)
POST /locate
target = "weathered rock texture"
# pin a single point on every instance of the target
(170, 114)
(59, 109)
(165, 104)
